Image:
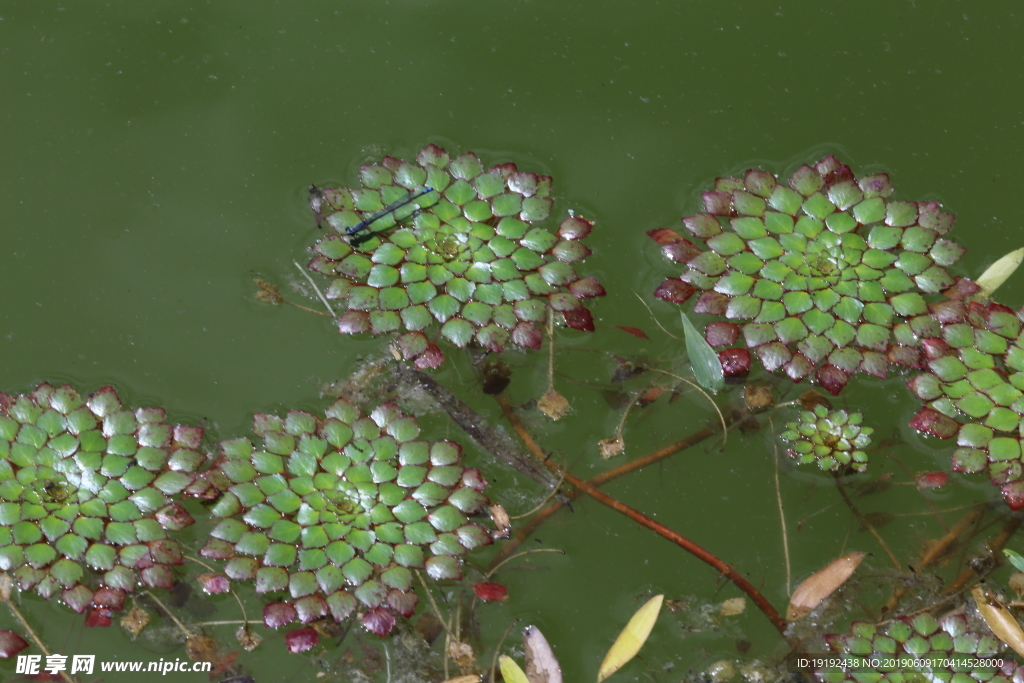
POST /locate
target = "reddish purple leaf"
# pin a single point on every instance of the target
(301, 639)
(799, 367)
(719, 203)
(579, 320)
(112, 598)
(712, 303)
(734, 362)
(664, 235)
(574, 228)
(379, 621)
(489, 592)
(1013, 494)
(674, 290)
(11, 644)
(907, 356)
(831, 379)
(214, 583)
(430, 358)
(962, 289)
(99, 617)
(586, 288)
(402, 602)
(354, 322)
(935, 423)
(77, 598)
(278, 614)
(931, 480)
(947, 312)
(528, 336)
(721, 333)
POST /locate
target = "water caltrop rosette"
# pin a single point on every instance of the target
(817, 275)
(339, 511)
(834, 439)
(445, 241)
(86, 489)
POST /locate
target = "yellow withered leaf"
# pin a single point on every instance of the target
(632, 638)
(996, 274)
(822, 584)
(999, 619)
(553, 404)
(473, 678)
(510, 671)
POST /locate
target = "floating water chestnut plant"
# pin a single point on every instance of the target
(814, 276)
(468, 255)
(338, 511)
(85, 494)
(974, 390)
(833, 439)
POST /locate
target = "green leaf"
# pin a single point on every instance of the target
(703, 358)
(1015, 559)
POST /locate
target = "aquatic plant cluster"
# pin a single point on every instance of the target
(947, 647)
(833, 439)
(444, 241)
(336, 511)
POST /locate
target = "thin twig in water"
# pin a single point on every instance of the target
(725, 426)
(525, 552)
(437, 612)
(32, 634)
(865, 522)
(497, 650)
(782, 513)
(387, 660)
(655, 319)
(316, 289)
(554, 492)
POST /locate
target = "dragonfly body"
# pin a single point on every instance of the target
(390, 208)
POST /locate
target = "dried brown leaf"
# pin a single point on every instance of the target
(464, 679)
(1016, 583)
(811, 398)
(267, 292)
(201, 648)
(247, 638)
(822, 584)
(553, 404)
(758, 397)
(462, 654)
(502, 523)
(999, 619)
(541, 664)
(611, 447)
(6, 584)
(136, 620)
(733, 606)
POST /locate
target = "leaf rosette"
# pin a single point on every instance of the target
(338, 511)
(814, 275)
(464, 252)
(834, 439)
(86, 490)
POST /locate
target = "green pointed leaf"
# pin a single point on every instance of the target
(703, 359)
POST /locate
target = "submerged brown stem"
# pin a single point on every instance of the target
(994, 546)
(693, 548)
(865, 522)
(28, 629)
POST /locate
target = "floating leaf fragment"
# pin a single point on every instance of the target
(553, 404)
(612, 446)
(1015, 559)
(707, 369)
(490, 592)
(632, 638)
(999, 619)
(541, 664)
(998, 273)
(733, 606)
(247, 638)
(822, 584)
(635, 331)
(136, 620)
(11, 644)
(510, 671)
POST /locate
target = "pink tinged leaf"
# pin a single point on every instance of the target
(586, 288)
(278, 614)
(112, 598)
(379, 621)
(214, 583)
(665, 235)
(354, 322)
(635, 331)
(528, 336)
(948, 312)
(876, 185)
(174, 517)
(11, 644)
(906, 356)
(674, 290)
(579, 320)
(702, 225)
(734, 362)
(799, 367)
(719, 203)
(186, 436)
(935, 423)
(490, 592)
(681, 251)
(77, 598)
(429, 359)
(962, 289)
(875, 364)
(301, 639)
(574, 228)
(402, 602)
(721, 333)
(523, 183)
(472, 478)
(1013, 494)
(833, 170)
(933, 219)
(158, 576)
(931, 480)
(712, 303)
(936, 348)
(831, 379)
(773, 355)
(310, 608)
(563, 302)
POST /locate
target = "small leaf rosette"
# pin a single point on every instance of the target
(338, 512)
(947, 649)
(973, 390)
(463, 251)
(812, 276)
(86, 491)
(834, 439)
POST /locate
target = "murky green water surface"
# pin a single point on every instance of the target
(156, 157)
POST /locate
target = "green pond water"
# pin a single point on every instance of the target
(156, 158)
